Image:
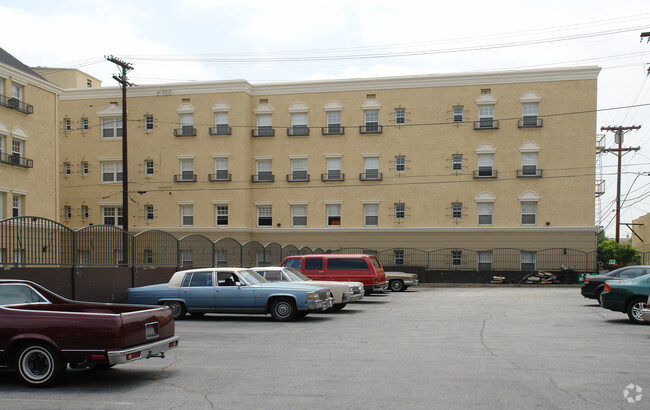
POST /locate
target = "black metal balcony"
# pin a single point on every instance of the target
(17, 160)
(486, 124)
(298, 131)
(371, 129)
(220, 130)
(532, 172)
(530, 122)
(263, 177)
(485, 173)
(263, 132)
(220, 177)
(298, 177)
(333, 129)
(16, 104)
(185, 177)
(371, 176)
(185, 131)
(338, 176)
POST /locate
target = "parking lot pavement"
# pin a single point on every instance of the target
(487, 347)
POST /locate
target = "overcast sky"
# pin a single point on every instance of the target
(271, 41)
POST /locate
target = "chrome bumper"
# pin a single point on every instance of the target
(145, 351)
(413, 282)
(645, 314)
(320, 304)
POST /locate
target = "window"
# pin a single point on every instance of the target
(400, 163)
(148, 167)
(148, 256)
(221, 258)
(458, 113)
(371, 168)
(485, 165)
(83, 257)
(148, 122)
(485, 213)
(148, 212)
(84, 124)
(456, 259)
(264, 170)
(334, 122)
(398, 256)
(529, 213)
(333, 169)
(89, 83)
(400, 116)
(371, 121)
(222, 215)
(17, 150)
(263, 258)
(529, 114)
(199, 278)
(112, 127)
(67, 125)
(17, 92)
(221, 169)
(112, 171)
(528, 261)
(457, 210)
(298, 215)
(485, 261)
(529, 163)
(457, 162)
(299, 170)
(264, 215)
(67, 170)
(187, 215)
(333, 215)
(84, 212)
(84, 168)
(299, 124)
(264, 125)
(187, 170)
(67, 212)
(486, 116)
(187, 125)
(220, 124)
(112, 215)
(371, 214)
(400, 211)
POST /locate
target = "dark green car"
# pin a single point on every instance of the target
(629, 296)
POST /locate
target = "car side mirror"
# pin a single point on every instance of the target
(238, 284)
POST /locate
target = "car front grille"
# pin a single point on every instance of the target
(322, 294)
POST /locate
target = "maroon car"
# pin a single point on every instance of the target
(42, 332)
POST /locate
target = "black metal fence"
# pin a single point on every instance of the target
(35, 241)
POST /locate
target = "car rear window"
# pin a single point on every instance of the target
(375, 262)
(347, 264)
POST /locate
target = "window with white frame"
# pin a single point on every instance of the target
(485, 261)
(84, 124)
(221, 258)
(400, 163)
(400, 211)
(265, 125)
(112, 127)
(67, 212)
(221, 169)
(112, 215)
(528, 261)
(187, 215)
(84, 212)
(400, 116)
(371, 167)
(148, 213)
(485, 165)
(222, 215)
(333, 215)
(67, 169)
(334, 169)
(299, 123)
(530, 114)
(187, 124)
(529, 163)
(84, 168)
(221, 123)
(458, 113)
(299, 169)
(67, 125)
(264, 215)
(299, 215)
(398, 256)
(485, 210)
(456, 259)
(264, 169)
(2, 143)
(334, 122)
(457, 162)
(371, 214)
(111, 171)
(17, 148)
(457, 210)
(529, 213)
(89, 83)
(17, 91)
(187, 169)
(16, 205)
(187, 258)
(486, 116)
(371, 120)
(148, 167)
(148, 122)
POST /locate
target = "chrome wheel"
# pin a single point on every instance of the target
(634, 310)
(283, 310)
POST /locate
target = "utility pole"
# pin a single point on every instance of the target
(619, 131)
(121, 78)
(646, 34)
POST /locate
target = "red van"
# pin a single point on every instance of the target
(340, 267)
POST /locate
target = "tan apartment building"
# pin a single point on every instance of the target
(640, 238)
(473, 161)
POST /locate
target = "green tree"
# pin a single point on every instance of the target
(623, 254)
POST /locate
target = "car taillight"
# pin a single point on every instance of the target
(586, 281)
(132, 356)
(607, 287)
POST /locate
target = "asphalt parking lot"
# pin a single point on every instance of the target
(445, 347)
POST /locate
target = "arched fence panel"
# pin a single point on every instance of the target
(557, 258)
(27, 240)
(319, 251)
(155, 248)
(103, 245)
(453, 259)
(254, 254)
(195, 251)
(275, 251)
(403, 257)
(227, 252)
(305, 250)
(289, 250)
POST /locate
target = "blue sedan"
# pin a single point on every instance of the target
(232, 290)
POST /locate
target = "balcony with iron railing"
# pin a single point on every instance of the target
(263, 177)
(332, 176)
(530, 121)
(371, 128)
(298, 177)
(16, 104)
(529, 172)
(185, 131)
(263, 132)
(185, 177)
(220, 129)
(600, 187)
(298, 131)
(485, 173)
(486, 124)
(371, 176)
(333, 129)
(220, 177)
(17, 160)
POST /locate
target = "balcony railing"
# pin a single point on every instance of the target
(530, 122)
(333, 129)
(185, 131)
(297, 177)
(600, 187)
(532, 172)
(485, 173)
(263, 132)
(17, 160)
(185, 177)
(371, 129)
(486, 124)
(332, 177)
(371, 176)
(298, 131)
(220, 130)
(262, 178)
(219, 177)
(16, 104)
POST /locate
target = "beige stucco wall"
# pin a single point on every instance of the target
(67, 78)
(565, 215)
(641, 226)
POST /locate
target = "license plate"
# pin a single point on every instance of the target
(151, 330)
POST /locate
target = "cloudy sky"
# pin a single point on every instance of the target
(272, 41)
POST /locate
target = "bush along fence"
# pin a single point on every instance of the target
(35, 241)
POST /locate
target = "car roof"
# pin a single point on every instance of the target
(333, 255)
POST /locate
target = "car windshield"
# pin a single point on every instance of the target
(295, 275)
(251, 277)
